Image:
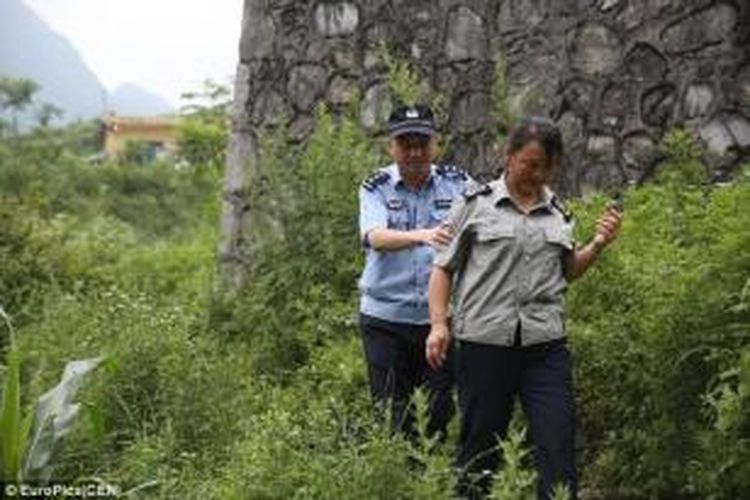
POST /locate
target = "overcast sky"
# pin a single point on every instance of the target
(165, 46)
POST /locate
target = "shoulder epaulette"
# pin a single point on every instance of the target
(375, 179)
(558, 205)
(477, 190)
(452, 171)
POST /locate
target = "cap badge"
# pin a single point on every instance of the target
(412, 113)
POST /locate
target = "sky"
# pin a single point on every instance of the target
(165, 46)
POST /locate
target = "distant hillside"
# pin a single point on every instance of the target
(30, 48)
(132, 100)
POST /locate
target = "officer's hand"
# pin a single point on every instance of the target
(438, 236)
(608, 227)
(436, 349)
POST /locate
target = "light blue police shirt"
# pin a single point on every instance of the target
(394, 283)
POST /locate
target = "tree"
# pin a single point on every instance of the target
(210, 103)
(47, 113)
(16, 94)
(204, 127)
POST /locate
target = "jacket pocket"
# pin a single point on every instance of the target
(492, 242)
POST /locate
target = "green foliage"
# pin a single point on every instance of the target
(722, 469)
(204, 127)
(47, 113)
(138, 153)
(408, 87)
(54, 416)
(160, 383)
(264, 394)
(514, 481)
(210, 103)
(403, 80)
(156, 199)
(560, 492)
(504, 111)
(202, 142)
(658, 320)
(436, 478)
(13, 428)
(15, 95)
(26, 452)
(682, 166)
(306, 246)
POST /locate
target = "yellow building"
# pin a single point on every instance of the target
(159, 134)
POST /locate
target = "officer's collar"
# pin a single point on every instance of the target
(500, 190)
(398, 180)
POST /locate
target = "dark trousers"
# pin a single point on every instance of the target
(396, 366)
(489, 378)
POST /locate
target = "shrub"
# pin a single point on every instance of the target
(306, 254)
(648, 325)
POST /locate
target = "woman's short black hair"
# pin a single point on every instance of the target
(539, 129)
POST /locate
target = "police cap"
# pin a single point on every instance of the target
(416, 119)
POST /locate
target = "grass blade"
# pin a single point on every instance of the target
(11, 436)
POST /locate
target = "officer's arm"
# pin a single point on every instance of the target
(438, 295)
(384, 239)
(373, 226)
(607, 229)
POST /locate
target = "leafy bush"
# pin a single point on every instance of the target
(653, 326)
(301, 286)
(27, 256)
(162, 381)
(204, 128)
(202, 143)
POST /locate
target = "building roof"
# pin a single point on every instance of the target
(131, 122)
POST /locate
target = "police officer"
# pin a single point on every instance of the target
(509, 264)
(402, 209)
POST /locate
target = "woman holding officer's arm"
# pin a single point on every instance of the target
(508, 266)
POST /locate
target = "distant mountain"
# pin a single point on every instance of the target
(29, 48)
(132, 100)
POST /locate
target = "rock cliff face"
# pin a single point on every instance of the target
(615, 74)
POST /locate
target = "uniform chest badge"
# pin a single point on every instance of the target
(443, 204)
(395, 204)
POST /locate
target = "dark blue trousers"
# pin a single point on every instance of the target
(489, 378)
(396, 366)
